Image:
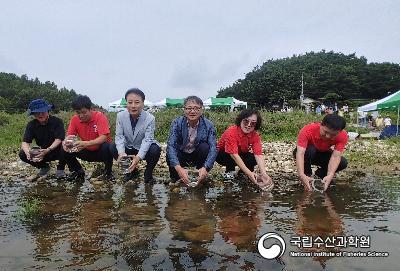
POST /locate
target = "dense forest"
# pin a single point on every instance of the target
(17, 91)
(327, 76)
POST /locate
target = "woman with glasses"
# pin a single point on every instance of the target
(240, 145)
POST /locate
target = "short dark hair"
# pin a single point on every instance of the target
(81, 101)
(334, 122)
(194, 99)
(247, 113)
(135, 91)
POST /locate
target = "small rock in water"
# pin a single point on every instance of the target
(42, 178)
(32, 178)
(96, 181)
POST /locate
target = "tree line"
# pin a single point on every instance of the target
(327, 76)
(16, 92)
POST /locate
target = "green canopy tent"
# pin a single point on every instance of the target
(228, 101)
(117, 105)
(392, 103)
(174, 102)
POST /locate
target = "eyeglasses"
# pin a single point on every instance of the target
(194, 109)
(247, 122)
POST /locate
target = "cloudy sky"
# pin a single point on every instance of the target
(180, 47)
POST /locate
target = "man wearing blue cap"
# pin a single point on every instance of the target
(48, 133)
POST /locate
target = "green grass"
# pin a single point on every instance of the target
(29, 208)
(12, 129)
(276, 126)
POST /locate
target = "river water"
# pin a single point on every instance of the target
(134, 226)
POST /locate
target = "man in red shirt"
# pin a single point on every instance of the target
(314, 147)
(93, 129)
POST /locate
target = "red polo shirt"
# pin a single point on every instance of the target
(95, 127)
(234, 141)
(310, 135)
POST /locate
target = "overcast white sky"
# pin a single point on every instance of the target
(180, 47)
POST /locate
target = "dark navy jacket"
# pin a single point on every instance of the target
(179, 138)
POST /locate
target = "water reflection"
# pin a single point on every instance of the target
(317, 217)
(239, 220)
(71, 220)
(90, 234)
(193, 224)
(53, 225)
(137, 226)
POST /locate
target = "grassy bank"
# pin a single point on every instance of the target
(276, 126)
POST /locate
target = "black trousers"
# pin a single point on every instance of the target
(54, 155)
(197, 158)
(224, 159)
(151, 158)
(102, 154)
(321, 159)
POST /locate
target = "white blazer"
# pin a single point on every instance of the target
(143, 136)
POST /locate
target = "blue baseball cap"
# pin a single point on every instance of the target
(38, 106)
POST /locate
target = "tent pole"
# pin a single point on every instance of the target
(398, 115)
(357, 121)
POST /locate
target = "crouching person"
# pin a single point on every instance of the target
(48, 133)
(191, 141)
(134, 136)
(93, 145)
(314, 144)
(240, 145)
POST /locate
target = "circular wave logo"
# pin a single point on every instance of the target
(274, 251)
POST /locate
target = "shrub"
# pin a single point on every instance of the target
(4, 118)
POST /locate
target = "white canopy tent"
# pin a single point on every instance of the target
(162, 103)
(388, 102)
(148, 103)
(374, 105)
(117, 105)
(308, 101)
(120, 105)
(237, 102)
(207, 102)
